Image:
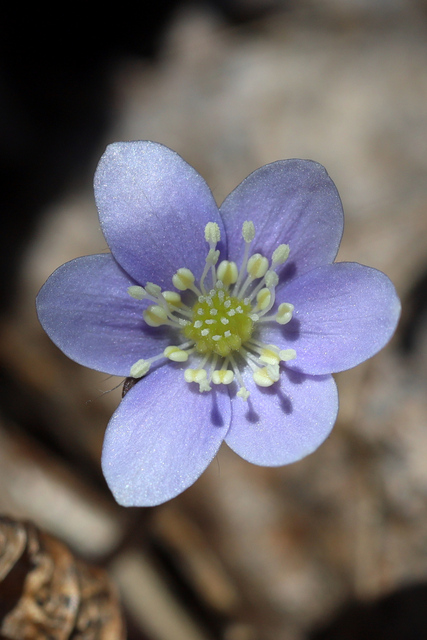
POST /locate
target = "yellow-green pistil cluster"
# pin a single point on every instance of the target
(220, 326)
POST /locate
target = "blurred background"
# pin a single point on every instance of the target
(333, 547)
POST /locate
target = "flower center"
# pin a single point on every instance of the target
(221, 324)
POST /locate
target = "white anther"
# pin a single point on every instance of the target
(287, 354)
(243, 393)
(212, 233)
(175, 354)
(248, 231)
(225, 320)
(284, 313)
(140, 368)
(280, 255)
(183, 279)
(231, 313)
(153, 289)
(205, 332)
(155, 316)
(172, 298)
(263, 298)
(212, 257)
(271, 279)
(137, 292)
(269, 356)
(213, 312)
(257, 266)
(209, 321)
(198, 324)
(222, 376)
(216, 337)
(266, 376)
(227, 272)
(227, 334)
(195, 375)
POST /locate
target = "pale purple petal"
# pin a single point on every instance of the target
(162, 437)
(153, 209)
(85, 309)
(344, 314)
(292, 202)
(285, 422)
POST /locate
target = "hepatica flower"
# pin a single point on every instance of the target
(232, 319)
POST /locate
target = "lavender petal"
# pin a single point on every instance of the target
(85, 309)
(285, 422)
(153, 208)
(290, 202)
(162, 437)
(344, 314)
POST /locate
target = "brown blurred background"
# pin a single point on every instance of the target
(335, 546)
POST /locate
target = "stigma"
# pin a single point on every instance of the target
(220, 318)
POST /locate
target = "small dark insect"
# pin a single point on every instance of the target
(128, 384)
(45, 592)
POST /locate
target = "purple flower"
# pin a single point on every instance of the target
(233, 318)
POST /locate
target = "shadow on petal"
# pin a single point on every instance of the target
(287, 273)
(292, 330)
(217, 419)
(285, 422)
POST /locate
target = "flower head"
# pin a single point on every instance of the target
(232, 319)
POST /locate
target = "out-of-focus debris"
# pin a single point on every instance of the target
(45, 592)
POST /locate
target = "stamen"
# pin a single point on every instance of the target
(271, 279)
(195, 375)
(137, 292)
(287, 354)
(227, 272)
(269, 353)
(175, 354)
(257, 266)
(267, 376)
(284, 313)
(155, 316)
(248, 231)
(242, 392)
(269, 356)
(153, 289)
(212, 237)
(140, 368)
(280, 255)
(263, 299)
(183, 279)
(172, 298)
(212, 233)
(222, 376)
